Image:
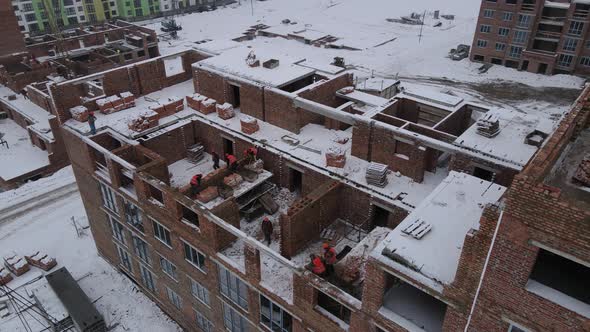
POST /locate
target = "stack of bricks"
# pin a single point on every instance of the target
(128, 99)
(5, 276)
(79, 113)
(105, 106)
(194, 101)
(144, 121)
(233, 180)
(174, 105)
(225, 111)
(249, 124)
(335, 157)
(117, 103)
(208, 194)
(208, 106)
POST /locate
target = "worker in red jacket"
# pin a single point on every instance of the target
(196, 184)
(267, 229)
(251, 153)
(232, 162)
(329, 258)
(317, 266)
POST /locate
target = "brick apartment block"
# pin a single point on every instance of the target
(546, 37)
(21, 73)
(12, 41)
(468, 247)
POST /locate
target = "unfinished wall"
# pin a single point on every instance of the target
(307, 217)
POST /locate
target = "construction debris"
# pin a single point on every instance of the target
(377, 174)
(208, 194)
(582, 174)
(233, 180)
(5, 277)
(79, 113)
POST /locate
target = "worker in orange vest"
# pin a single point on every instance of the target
(329, 258)
(232, 162)
(196, 184)
(317, 266)
(251, 153)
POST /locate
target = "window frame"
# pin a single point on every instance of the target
(117, 230)
(482, 43)
(233, 287)
(174, 298)
(200, 266)
(243, 321)
(109, 197)
(205, 297)
(502, 49)
(144, 272)
(165, 265)
(485, 28)
(271, 310)
(120, 251)
(135, 221)
(505, 15)
(199, 316)
(503, 31)
(140, 253)
(166, 231)
(487, 11)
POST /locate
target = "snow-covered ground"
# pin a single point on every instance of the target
(49, 229)
(363, 24)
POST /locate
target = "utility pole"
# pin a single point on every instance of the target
(252, 5)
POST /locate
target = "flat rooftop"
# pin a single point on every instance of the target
(452, 210)
(233, 61)
(38, 117)
(509, 144)
(119, 121)
(21, 157)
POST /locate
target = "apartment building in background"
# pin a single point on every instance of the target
(33, 15)
(546, 37)
(449, 240)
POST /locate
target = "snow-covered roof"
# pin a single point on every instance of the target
(24, 106)
(216, 46)
(509, 143)
(22, 157)
(451, 210)
(377, 84)
(234, 62)
(363, 97)
(433, 97)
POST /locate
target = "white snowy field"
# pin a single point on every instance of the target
(363, 24)
(49, 229)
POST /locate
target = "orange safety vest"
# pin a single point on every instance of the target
(318, 266)
(330, 256)
(231, 159)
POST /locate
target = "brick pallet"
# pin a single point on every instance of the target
(377, 174)
(195, 153)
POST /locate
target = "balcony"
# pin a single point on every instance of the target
(548, 35)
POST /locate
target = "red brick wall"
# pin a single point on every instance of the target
(12, 38)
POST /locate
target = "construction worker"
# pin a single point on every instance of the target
(267, 230)
(317, 266)
(215, 158)
(251, 153)
(196, 184)
(91, 121)
(329, 258)
(232, 162)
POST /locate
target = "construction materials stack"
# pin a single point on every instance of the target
(195, 153)
(488, 126)
(377, 174)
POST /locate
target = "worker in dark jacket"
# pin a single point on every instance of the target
(196, 184)
(329, 258)
(232, 162)
(91, 121)
(317, 266)
(267, 230)
(251, 153)
(215, 158)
